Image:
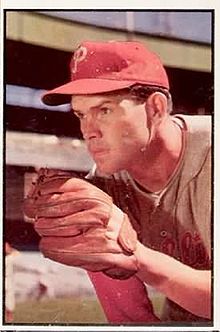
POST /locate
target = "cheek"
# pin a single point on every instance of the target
(119, 134)
(133, 134)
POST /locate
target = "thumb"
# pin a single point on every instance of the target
(127, 235)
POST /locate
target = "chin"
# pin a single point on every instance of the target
(107, 169)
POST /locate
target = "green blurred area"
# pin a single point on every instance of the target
(60, 311)
(67, 311)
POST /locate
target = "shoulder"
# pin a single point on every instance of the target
(198, 151)
(196, 125)
(198, 138)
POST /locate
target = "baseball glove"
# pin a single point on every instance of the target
(80, 226)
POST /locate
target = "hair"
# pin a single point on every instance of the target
(142, 92)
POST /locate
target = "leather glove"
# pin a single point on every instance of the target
(80, 225)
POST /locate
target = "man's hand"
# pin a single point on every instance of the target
(80, 226)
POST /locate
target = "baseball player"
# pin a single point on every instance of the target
(143, 214)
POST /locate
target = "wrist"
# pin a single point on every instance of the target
(150, 266)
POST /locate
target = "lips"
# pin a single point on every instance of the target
(98, 152)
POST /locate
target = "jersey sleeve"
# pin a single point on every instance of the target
(123, 301)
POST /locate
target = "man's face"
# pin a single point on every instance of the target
(114, 128)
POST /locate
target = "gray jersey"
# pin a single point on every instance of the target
(176, 220)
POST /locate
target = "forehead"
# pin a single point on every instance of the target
(85, 102)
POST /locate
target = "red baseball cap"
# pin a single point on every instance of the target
(99, 67)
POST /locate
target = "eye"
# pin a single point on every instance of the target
(105, 110)
(80, 115)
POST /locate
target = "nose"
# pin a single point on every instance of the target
(90, 128)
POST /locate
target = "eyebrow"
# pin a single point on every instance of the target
(96, 106)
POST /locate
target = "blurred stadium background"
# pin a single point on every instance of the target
(37, 49)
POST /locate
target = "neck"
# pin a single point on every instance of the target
(160, 159)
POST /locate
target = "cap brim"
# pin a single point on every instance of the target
(62, 94)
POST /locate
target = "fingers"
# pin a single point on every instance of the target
(65, 251)
(56, 198)
(74, 185)
(91, 242)
(66, 209)
(60, 196)
(57, 204)
(72, 224)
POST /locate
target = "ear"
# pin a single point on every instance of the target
(156, 107)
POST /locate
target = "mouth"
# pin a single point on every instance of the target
(98, 153)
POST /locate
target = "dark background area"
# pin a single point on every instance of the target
(190, 90)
